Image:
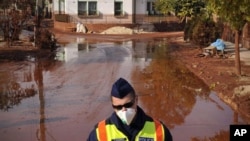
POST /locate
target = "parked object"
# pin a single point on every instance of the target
(215, 48)
(219, 44)
(210, 49)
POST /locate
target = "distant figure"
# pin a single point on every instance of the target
(128, 121)
(82, 28)
(78, 27)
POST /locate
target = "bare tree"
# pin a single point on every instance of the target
(14, 15)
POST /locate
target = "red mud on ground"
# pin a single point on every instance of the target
(218, 73)
(210, 70)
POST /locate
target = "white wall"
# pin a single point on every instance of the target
(128, 6)
(104, 6)
(71, 6)
(107, 6)
(141, 6)
(55, 5)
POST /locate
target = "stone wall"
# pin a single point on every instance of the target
(98, 28)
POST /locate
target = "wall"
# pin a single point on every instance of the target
(105, 8)
(246, 36)
(141, 7)
(71, 7)
(170, 25)
(96, 28)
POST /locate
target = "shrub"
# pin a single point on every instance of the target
(202, 31)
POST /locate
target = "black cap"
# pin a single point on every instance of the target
(121, 88)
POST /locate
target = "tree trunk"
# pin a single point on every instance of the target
(225, 32)
(237, 53)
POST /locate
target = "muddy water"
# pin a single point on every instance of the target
(62, 99)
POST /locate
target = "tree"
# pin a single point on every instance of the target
(182, 8)
(236, 13)
(189, 8)
(14, 15)
(165, 6)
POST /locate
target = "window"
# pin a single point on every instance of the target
(82, 8)
(150, 8)
(61, 7)
(87, 8)
(118, 8)
(92, 8)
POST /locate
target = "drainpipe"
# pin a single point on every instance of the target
(134, 12)
(36, 22)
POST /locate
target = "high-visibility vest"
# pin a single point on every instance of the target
(152, 131)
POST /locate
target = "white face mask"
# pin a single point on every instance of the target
(126, 116)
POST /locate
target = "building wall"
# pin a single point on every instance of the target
(106, 11)
(104, 6)
(71, 7)
(141, 6)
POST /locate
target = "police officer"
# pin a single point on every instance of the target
(128, 121)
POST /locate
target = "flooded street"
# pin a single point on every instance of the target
(63, 98)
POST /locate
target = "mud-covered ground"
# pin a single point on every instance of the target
(217, 72)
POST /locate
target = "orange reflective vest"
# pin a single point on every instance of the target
(151, 131)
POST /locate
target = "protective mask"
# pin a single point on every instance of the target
(126, 116)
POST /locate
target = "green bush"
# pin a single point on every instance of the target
(202, 31)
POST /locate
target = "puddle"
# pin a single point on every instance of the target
(62, 99)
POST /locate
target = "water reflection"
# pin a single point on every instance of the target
(71, 51)
(220, 136)
(173, 94)
(167, 89)
(16, 85)
(39, 81)
(66, 91)
(22, 80)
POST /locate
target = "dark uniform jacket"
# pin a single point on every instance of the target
(133, 129)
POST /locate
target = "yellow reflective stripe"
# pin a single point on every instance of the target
(108, 132)
(152, 129)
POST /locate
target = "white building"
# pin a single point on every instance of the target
(104, 11)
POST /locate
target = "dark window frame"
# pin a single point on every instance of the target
(84, 11)
(89, 8)
(118, 8)
(92, 8)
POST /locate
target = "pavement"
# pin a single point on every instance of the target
(245, 58)
(244, 53)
